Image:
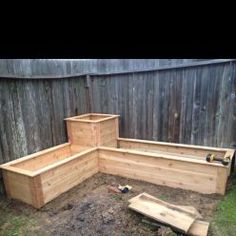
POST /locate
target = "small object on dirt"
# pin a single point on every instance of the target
(124, 189)
(68, 206)
(110, 210)
(113, 189)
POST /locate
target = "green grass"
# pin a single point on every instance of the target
(163, 197)
(224, 222)
(14, 225)
(117, 197)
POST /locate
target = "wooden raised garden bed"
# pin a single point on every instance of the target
(94, 145)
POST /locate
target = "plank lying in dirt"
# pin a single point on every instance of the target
(187, 209)
(156, 209)
(197, 228)
(190, 209)
(193, 210)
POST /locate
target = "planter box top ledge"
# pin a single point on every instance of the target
(92, 117)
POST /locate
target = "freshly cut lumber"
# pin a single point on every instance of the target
(193, 209)
(199, 228)
(159, 210)
(187, 209)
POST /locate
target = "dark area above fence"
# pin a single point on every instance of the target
(194, 105)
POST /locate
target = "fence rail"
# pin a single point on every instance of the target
(75, 74)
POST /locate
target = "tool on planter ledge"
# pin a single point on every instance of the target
(212, 157)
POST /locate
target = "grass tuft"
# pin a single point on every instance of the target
(15, 225)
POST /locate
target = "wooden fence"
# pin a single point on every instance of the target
(194, 105)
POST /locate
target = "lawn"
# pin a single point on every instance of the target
(14, 225)
(224, 222)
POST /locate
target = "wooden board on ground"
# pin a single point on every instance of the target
(193, 210)
(199, 228)
(162, 211)
(187, 209)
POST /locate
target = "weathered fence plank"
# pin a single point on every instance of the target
(33, 112)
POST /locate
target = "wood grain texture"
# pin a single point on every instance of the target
(62, 178)
(165, 170)
(36, 191)
(193, 151)
(187, 105)
(19, 187)
(162, 211)
(199, 228)
(33, 112)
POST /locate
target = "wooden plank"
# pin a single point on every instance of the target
(6, 183)
(81, 133)
(163, 211)
(222, 177)
(199, 228)
(174, 145)
(37, 154)
(111, 143)
(19, 186)
(67, 167)
(188, 209)
(193, 210)
(157, 171)
(163, 156)
(151, 158)
(64, 177)
(36, 191)
(77, 148)
(18, 171)
(42, 161)
(59, 163)
(230, 154)
(92, 118)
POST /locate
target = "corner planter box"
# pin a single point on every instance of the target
(94, 146)
(40, 177)
(92, 130)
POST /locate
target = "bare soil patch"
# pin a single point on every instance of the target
(89, 209)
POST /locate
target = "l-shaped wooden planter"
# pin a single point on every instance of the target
(94, 146)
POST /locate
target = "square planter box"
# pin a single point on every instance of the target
(92, 130)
